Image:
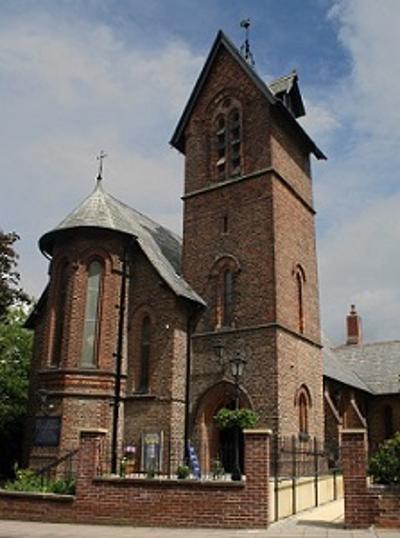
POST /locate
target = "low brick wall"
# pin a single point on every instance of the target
(365, 505)
(386, 505)
(37, 506)
(157, 502)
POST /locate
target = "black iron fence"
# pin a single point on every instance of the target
(64, 468)
(300, 457)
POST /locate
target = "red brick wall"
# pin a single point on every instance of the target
(376, 418)
(270, 231)
(154, 502)
(363, 505)
(387, 505)
(83, 395)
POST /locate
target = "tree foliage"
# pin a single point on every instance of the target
(384, 465)
(10, 290)
(15, 354)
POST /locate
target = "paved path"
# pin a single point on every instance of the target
(323, 522)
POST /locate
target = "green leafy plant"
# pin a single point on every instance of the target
(29, 480)
(384, 465)
(183, 471)
(242, 418)
(217, 469)
(151, 473)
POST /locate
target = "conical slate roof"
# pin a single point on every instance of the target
(161, 246)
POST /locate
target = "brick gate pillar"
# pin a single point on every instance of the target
(257, 464)
(91, 457)
(357, 501)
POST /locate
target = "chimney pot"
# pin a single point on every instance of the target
(354, 327)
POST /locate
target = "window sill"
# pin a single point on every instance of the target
(140, 396)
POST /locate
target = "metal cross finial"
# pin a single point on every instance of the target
(100, 158)
(245, 48)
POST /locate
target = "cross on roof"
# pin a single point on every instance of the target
(100, 157)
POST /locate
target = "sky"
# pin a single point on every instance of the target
(77, 77)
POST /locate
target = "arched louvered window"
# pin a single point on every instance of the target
(228, 138)
(61, 301)
(144, 360)
(221, 148)
(235, 142)
(91, 320)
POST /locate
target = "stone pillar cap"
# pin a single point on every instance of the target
(258, 431)
(93, 431)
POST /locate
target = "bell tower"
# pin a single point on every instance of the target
(249, 248)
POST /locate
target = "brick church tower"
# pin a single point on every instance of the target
(249, 249)
(244, 282)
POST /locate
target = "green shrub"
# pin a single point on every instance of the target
(217, 469)
(243, 418)
(384, 465)
(28, 480)
(183, 471)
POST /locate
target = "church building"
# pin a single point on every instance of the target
(139, 325)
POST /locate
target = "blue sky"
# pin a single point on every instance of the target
(77, 77)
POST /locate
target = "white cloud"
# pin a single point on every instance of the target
(71, 90)
(358, 191)
(320, 120)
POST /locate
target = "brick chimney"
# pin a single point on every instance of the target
(354, 327)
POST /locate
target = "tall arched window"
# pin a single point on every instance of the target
(91, 321)
(224, 280)
(303, 413)
(61, 301)
(300, 279)
(227, 313)
(303, 403)
(144, 362)
(388, 421)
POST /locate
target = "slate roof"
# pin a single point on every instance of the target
(283, 84)
(177, 140)
(161, 246)
(377, 364)
(336, 369)
(287, 90)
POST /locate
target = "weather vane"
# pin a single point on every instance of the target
(245, 48)
(100, 157)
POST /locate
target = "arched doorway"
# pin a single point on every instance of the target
(212, 442)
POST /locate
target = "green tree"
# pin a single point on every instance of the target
(10, 290)
(384, 465)
(15, 354)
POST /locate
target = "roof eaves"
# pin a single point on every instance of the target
(35, 312)
(221, 39)
(311, 146)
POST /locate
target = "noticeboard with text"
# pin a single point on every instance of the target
(152, 446)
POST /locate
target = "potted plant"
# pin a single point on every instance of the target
(218, 470)
(129, 459)
(242, 418)
(183, 472)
